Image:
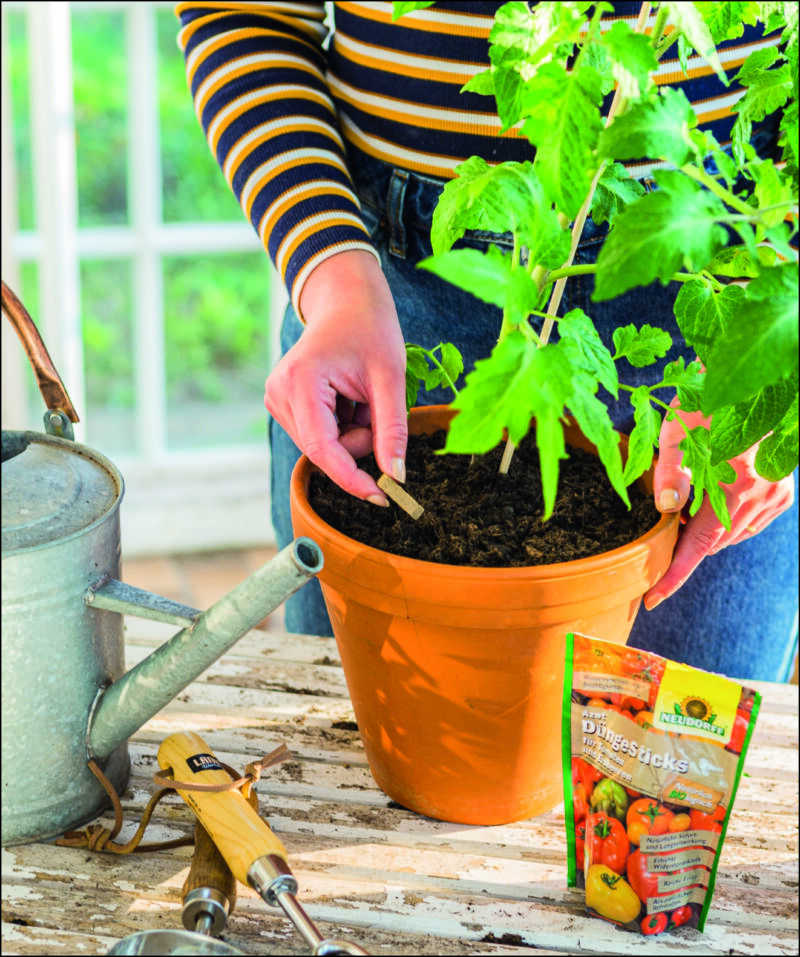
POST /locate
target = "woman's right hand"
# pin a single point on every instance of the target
(340, 390)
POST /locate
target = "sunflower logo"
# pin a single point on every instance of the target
(693, 706)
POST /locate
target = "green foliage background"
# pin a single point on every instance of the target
(216, 307)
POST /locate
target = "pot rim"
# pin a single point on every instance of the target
(607, 561)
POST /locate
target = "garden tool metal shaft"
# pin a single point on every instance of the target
(253, 853)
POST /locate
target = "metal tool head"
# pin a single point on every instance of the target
(168, 942)
(332, 946)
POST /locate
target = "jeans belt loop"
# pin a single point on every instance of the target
(394, 210)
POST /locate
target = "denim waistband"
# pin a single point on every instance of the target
(393, 191)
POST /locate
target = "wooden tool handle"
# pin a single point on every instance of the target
(209, 868)
(237, 830)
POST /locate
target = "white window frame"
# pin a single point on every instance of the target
(175, 500)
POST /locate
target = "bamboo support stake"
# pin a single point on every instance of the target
(400, 496)
(577, 229)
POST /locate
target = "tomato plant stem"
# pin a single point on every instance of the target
(700, 176)
(577, 230)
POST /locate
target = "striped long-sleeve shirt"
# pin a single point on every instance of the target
(276, 106)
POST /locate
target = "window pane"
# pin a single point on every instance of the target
(28, 294)
(18, 69)
(217, 349)
(193, 185)
(106, 310)
(100, 84)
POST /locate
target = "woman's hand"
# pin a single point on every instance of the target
(753, 502)
(340, 390)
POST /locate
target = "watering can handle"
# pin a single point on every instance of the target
(50, 384)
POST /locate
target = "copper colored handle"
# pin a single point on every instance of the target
(50, 384)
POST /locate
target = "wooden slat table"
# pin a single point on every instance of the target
(368, 870)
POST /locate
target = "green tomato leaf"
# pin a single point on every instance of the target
(497, 395)
(789, 135)
(706, 478)
(726, 21)
(597, 56)
(482, 83)
(641, 347)
(455, 211)
(772, 189)
(512, 197)
(703, 315)
(416, 370)
(736, 428)
(452, 361)
(594, 357)
(761, 346)
(416, 360)
(689, 383)
(518, 383)
(485, 275)
(657, 127)
(508, 85)
(520, 40)
(739, 262)
(632, 55)
(644, 435)
(592, 416)
(499, 198)
(616, 190)
(777, 454)
(671, 228)
(552, 448)
(688, 19)
(768, 89)
(400, 7)
(562, 120)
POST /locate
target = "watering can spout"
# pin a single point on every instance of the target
(123, 707)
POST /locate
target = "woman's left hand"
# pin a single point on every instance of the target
(753, 502)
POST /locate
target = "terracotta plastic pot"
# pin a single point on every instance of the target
(455, 674)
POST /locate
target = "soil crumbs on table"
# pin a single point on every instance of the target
(476, 516)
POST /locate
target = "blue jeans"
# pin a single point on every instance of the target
(737, 614)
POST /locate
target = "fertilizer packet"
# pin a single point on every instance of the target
(653, 752)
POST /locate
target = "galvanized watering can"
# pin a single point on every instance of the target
(65, 698)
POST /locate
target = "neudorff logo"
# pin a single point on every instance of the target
(696, 703)
(693, 712)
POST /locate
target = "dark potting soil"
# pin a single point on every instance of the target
(475, 516)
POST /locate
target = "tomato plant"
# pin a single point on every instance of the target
(725, 236)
